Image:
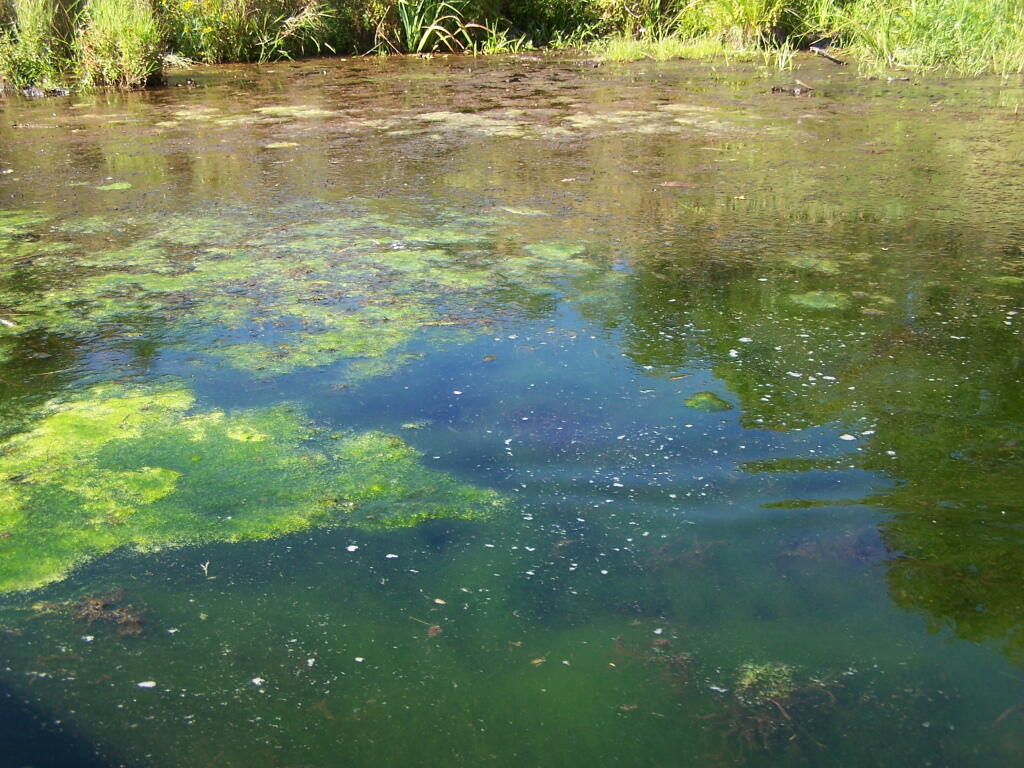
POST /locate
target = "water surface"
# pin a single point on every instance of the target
(513, 412)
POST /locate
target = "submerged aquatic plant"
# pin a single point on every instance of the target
(116, 467)
(108, 609)
(17, 223)
(820, 300)
(772, 711)
(708, 401)
(355, 289)
(761, 683)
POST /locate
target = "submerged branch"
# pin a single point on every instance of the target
(821, 52)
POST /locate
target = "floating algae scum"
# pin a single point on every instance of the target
(512, 412)
(109, 470)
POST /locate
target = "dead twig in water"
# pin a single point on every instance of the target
(51, 373)
(1006, 713)
(785, 714)
(821, 52)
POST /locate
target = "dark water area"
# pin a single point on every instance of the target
(513, 411)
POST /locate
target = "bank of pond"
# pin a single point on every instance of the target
(50, 46)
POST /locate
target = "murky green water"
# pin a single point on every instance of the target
(513, 412)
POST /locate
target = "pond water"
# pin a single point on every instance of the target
(513, 412)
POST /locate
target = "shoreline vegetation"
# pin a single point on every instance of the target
(48, 46)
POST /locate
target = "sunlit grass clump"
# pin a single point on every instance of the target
(663, 48)
(34, 42)
(122, 42)
(964, 36)
(214, 31)
(141, 468)
(49, 43)
(119, 43)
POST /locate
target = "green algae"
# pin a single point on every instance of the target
(758, 684)
(137, 257)
(193, 230)
(667, 118)
(87, 225)
(708, 401)
(470, 121)
(115, 186)
(307, 293)
(549, 252)
(130, 467)
(820, 300)
(197, 113)
(814, 263)
(521, 211)
(19, 222)
(16, 250)
(298, 111)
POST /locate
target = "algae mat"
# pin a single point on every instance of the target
(347, 285)
(112, 468)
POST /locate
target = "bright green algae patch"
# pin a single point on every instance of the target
(708, 401)
(820, 300)
(312, 291)
(14, 223)
(114, 468)
(761, 683)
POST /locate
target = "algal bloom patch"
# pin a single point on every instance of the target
(140, 467)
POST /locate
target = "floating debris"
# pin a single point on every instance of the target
(107, 608)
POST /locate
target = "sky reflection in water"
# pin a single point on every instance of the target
(744, 370)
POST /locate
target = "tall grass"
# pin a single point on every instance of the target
(429, 25)
(965, 36)
(36, 42)
(425, 26)
(746, 23)
(500, 38)
(640, 18)
(962, 36)
(119, 43)
(665, 48)
(214, 31)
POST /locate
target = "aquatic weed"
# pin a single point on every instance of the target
(115, 467)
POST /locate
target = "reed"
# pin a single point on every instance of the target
(36, 42)
(215, 31)
(119, 43)
(425, 26)
(499, 38)
(967, 37)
